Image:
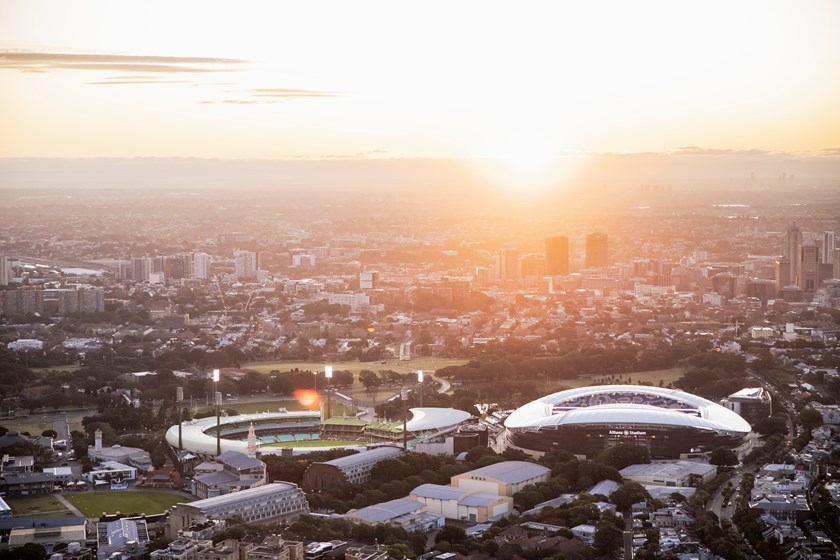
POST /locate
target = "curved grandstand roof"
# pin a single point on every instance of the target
(196, 440)
(435, 419)
(626, 404)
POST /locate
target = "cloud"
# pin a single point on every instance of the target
(293, 93)
(698, 151)
(41, 62)
(133, 82)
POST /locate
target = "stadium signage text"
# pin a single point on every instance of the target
(626, 433)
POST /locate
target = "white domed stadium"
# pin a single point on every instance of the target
(584, 421)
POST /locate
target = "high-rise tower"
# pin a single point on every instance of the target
(828, 246)
(792, 251)
(596, 250)
(508, 264)
(557, 255)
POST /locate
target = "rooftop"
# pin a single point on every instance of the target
(672, 470)
(376, 453)
(379, 513)
(509, 472)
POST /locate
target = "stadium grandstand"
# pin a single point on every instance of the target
(584, 421)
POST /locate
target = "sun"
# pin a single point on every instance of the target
(526, 156)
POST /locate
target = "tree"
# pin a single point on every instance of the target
(50, 433)
(723, 457)
(608, 538)
(623, 455)
(369, 379)
(627, 494)
(451, 534)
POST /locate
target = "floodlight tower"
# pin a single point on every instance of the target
(179, 398)
(328, 373)
(217, 397)
(420, 381)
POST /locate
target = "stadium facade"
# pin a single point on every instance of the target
(587, 420)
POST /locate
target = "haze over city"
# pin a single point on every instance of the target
(445, 281)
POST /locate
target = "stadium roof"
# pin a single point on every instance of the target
(509, 472)
(196, 440)
(614, 405)
(435, 418)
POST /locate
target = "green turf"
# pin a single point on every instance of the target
(45, 505)
(92, 504)
(71, 367)
(313, 443)
(402, 366)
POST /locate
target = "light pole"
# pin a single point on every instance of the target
(217, 398)
(420, 381)
(328, 374)
(179, 398)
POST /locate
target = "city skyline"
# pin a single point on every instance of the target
(537, 89)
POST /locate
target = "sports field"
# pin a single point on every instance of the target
(93, 504)
(45, 505)
(313, 443)
(402, 366)
(272, 406)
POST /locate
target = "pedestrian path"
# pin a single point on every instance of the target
(68, 505)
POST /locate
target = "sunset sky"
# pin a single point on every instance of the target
(521, 82)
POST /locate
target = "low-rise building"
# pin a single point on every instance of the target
(585, 533)
(126, 536)
(679, 473)
(353, 469)
(229, 472)
(111, 471)
(407, 513)
(27, 483)
(502, 479)
(182, 548)
(46, 531)
(462, 504)
(278, 501)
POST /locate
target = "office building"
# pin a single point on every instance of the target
(829, 244)
(557, 255)
(792, 253)
(201, 266)
(809, 267)
(5, 271)
(596, 250)
(141, 269)
(507, 264)
(369, 280)
(246, 264)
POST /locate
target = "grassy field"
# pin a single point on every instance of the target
(402, 366)
(272, 406)
(313, 443)
(653, 376)
(666, 376)
(46, 505)
(92, 504)
(71, 367)
(36, 423)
